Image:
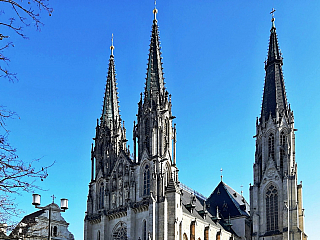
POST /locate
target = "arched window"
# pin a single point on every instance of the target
(271, 145)
(120, 231)
(55, 231)
(206, 233)
(180, 231)
(282, 152)
(146, 180)
(192, 230)
(144, 230)
(166, 176)
(98, 235)
(165, 139)
(260, 166)
(101, 197)
(272, 208)
(185, 237)
(218, 235)
(147, 134)
(282, 139)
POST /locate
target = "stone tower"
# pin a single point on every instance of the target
(135, 197)
(275, 197)
(154, 145)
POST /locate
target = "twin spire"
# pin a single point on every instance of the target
(274, 95)
(154, 81)
(110, 111)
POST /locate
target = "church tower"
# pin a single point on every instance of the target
(154, 138)
(135, 197)
(276, 196)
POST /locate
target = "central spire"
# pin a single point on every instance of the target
(274, 94)
(110, 111)
(154, 81)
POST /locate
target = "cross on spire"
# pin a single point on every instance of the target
(221, 170)
(272, 13)
(53, 197)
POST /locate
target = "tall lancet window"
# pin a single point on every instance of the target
(100, 197)
(271, 145)
(282, 152)
(272, 208)
(165, 135)
(147, 134)
(146, 180)
(144, 231)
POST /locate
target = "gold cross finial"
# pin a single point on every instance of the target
(112, 47)
(221, 173)
(272, 13)
(155, 10)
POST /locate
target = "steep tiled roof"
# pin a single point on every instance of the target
(229, 202)
(198, 208)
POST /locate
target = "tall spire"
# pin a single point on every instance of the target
(154, 80)
(110, 111)
(274, 95)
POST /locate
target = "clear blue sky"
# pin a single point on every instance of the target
(213, 59)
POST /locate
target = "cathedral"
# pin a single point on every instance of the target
(138, 195)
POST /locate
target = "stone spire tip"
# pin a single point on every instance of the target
(112, 47)
(155, 11)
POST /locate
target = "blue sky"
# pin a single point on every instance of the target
(213, 59)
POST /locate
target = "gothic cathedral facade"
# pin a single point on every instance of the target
(138, 196)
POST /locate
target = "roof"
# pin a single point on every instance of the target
(229, 202)
(197, 207)
(26, 222)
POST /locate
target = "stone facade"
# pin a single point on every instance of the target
(35, 226)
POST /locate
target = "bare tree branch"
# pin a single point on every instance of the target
(16, 175)
(22, 14)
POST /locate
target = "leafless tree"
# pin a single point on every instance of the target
(21, 13)
(16, 175)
